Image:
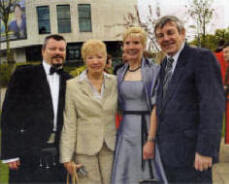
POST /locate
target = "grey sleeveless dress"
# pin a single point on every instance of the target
(127, 165)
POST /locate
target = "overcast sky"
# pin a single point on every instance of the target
(177, 7)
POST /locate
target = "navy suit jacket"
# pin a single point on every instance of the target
(190, 116)
(27, 113)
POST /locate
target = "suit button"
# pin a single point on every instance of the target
(22, 131)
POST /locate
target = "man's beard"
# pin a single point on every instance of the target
(58, 65)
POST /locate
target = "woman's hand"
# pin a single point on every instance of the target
(148, 150)
(71, 166)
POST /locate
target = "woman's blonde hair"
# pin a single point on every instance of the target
(93, 46)
(136, 31)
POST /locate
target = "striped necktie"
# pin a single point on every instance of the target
(168, 74)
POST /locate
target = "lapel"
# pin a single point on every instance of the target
(86, 89)
(160, 88)
(61, 104)
(45, 89)
(176, 77)
(120, 75)
(148, 80)
(63, 77)
(107, 89)
(147, 77)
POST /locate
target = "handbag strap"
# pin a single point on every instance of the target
(75, 178)
(150, 169)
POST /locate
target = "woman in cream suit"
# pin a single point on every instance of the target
(88, 135)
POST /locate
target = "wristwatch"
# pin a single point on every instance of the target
(151, 139)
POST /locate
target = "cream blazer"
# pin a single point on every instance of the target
(88, 122)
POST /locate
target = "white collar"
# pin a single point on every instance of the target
(47, 67)
(83, 75)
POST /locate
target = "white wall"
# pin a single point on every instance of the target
(104, 14)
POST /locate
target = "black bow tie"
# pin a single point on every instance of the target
(54, 69)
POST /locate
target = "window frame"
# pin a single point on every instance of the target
(63, 19)
(39, 20)
(84, 18)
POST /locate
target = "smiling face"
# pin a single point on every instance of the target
(95, 63)
(169, 38)
(94, 54)
(54, 52)
(133, 47)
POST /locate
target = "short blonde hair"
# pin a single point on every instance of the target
(93, 46)
(136, 31)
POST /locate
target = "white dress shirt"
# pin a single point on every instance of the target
(54, 85)
(175, 57)
(97, 95)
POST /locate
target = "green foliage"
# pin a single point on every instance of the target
(69, 68)
(78, 70)
(211, 41)
(4, 172)
(5, 73)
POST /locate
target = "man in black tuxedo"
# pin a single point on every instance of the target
(32, 117)
(190, 106)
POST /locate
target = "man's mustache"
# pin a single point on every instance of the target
(57, 57)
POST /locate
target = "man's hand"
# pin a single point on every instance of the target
(14, 165)
(71, 166)
(148, 150)
(202, 162)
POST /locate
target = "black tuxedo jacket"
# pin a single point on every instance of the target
(190, 116)
(27, 113)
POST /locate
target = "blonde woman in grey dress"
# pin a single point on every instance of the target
(136, 154)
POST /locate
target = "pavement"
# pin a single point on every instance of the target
(221, 169)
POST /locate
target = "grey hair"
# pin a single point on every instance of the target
(164, 20)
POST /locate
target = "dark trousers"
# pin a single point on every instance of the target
(38, 175)
(188, 175)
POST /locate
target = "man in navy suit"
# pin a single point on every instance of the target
(190, 106)
(32, 117)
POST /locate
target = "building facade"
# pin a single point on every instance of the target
(76, 20)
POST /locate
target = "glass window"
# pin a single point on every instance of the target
(63, 18)
(43, 19)
(84, 17)
(73, 52)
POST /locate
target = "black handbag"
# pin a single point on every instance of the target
(151, 180)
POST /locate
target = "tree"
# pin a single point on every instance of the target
(222, 34)
(212, 40)
(201, 12)
(133, 19)
(5, 10)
